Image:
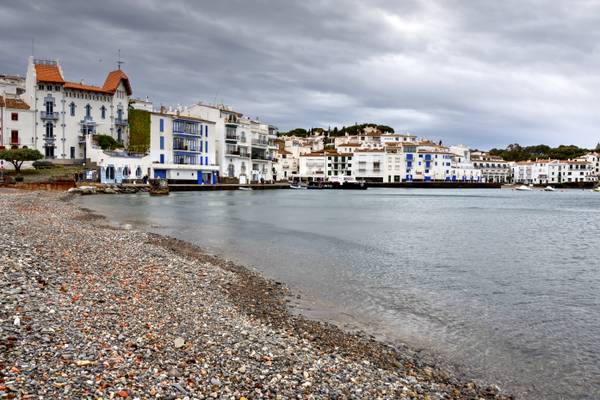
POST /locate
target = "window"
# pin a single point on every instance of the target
(103, 112)
(14, 116)
(88, 111)
(162, 125)
(205, 160)
(162, 142)
(14, 137)
(206, 147)
(120, 135)
(138, 172)
(72, 109)
(72, 152)
(49, 130)
(162, 158)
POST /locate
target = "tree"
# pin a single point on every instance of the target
(107, 142)
(598, 148)
(18, 156)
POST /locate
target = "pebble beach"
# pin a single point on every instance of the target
(90, 311)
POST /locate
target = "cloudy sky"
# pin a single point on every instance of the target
(484, 73)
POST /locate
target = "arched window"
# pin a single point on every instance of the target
(72, 109)
(119, 112)
(88, 111)
(138, 172)
(243, 168)
(231, 171)
(110, 173)
(103, 112)
(126, 171)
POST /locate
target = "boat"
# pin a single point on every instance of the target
(297, 186)
(596, 189)
(549, 189)
(347, 182)
(247, 188)
(158, 187)
(524, 188)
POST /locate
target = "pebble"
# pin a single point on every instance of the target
(96, 312)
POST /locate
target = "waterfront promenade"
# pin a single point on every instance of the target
(88, 310)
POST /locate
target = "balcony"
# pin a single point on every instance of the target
(261, 157)
(49, 116)
(232, 137)
(260, 142)
(121, 122)
(49, 139)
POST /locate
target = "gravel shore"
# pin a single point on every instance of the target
(90, 311)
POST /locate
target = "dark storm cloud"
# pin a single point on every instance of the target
(485, 73)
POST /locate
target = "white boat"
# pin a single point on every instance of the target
(596, 189)
(524, 188)
(549, 189)
(245, 188)
(297, 186)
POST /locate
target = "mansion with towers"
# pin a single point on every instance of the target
(54, 115)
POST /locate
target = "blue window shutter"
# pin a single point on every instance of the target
(162, 158)
(201, 160)
(206, 147)
(201, 146)
(162, 142)
(206, 160)
(162, 125)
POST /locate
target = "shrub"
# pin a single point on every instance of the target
(42, 164)
(18, 178)
(107, 142)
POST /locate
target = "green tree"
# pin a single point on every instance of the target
(18, 156)
(597, 149)
(107, 142)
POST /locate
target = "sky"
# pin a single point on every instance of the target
(482, 73)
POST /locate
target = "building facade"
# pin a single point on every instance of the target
(66, 112)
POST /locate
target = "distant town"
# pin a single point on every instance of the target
(120, 139)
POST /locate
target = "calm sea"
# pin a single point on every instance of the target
(504, 284)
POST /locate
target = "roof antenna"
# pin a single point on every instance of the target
(119, 62)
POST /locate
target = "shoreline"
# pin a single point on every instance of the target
(262, 303)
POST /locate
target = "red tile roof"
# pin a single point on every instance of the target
(114, 78)
(89, 88)
(16, 104)
(48, 73)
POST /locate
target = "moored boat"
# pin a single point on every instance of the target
(347, 182)
(297, 186)
(596, 189)
(524, 188)
(247, 188)
(549, 189)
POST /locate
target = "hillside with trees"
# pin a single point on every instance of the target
(515, 152)
(335, 131)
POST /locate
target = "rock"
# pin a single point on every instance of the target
(179, 343)
(17, 321)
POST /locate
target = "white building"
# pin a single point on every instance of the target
(313, 166)
(183, 149)
(244, 146)
(462, 167)
(66, 112)
(546, 172)
(493, 169)
(369, 164)
(594, 159)
(16, 120)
